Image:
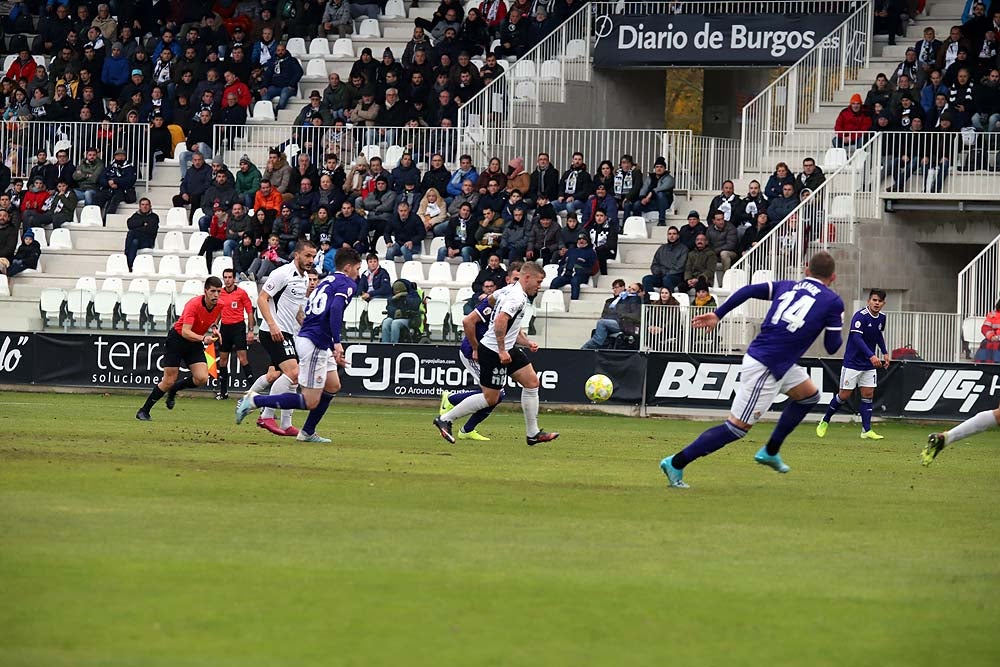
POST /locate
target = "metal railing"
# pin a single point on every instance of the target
(22, 139)
(935, 336)
(712, 160)
(825, 218)
(816, 78)
(939, 165)
(978, 291)
(515, 97)
(668, 329)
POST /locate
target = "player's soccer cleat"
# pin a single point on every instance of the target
(773, 462)
(143, 416)
(270, 424)
(170, 400)
(935, 443)
(244, 406)
(541, 436)
(291, 432)
(444, 428)
(221, 396)
(871, 435)
(445, 403)
(675, 476)
(310, 437)
(821, 428)
(472, 435)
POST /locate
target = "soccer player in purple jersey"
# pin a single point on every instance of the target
(319, 380)
(800, 312)
(860, 363)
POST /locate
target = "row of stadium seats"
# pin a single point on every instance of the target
(195, 266)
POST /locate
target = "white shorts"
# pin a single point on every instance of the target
(314, 363)
(758, 389)
(850, 378)
(471, 366)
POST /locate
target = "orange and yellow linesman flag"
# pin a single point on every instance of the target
(211, 360)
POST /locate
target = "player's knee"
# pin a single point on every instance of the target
(332, 386)
(530, 382)
(293, 376)
(199, 379)
(844, 394)
(492, 398)
(809, 400)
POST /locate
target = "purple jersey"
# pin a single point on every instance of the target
(865, 340)
(325, 308)
(483, 310)
(800, 311)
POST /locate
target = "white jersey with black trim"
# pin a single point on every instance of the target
(287, 287)
(511, 300)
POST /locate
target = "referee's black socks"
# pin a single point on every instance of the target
(186, 382)
(153, 397)
(223, 380)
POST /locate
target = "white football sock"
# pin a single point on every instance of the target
(466, 407)
(260, 385)
(280, 386)
(286, 415)
(971, 426)
(529, 406)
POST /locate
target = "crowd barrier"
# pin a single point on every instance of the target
(908, 389)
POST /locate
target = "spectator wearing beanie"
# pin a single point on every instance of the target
(853, 124)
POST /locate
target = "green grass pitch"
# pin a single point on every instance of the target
(193, 542)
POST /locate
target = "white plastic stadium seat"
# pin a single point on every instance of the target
(376, 310)
(50, 302)
(40, 237)
(369, 28)
(529, 314)
(635, 227)
(437, 312)
(551, 271)
(87, 283)
(436, 244)
(412, 271)
(191, 287)
(139, 286)
(971, 327)
(165, 286)
(194, 243)
(575, 48)
(131, 307)
(173, 242)
(352, 316)
(143, 266)
(525, 69)
(196, 268)
(393, 155)
(77, 304)
(291, 152)
(263, 112)
(117, 265)
(464, 294)
(4, 286)
(835, 159)
(551, 71)
(343, 48)
(158, 308)
(113, 285)
(178, 149)
(525, 90)
(177, 217)
(104, 305)
(91, 216)
(319, 47)
(390, 268)
(394, 9)
(732, 280)
(440, 272)
(220, 264)
(316, 68)
(440, 294)
(842, 208)
(494, 44)
(296, 47)
(467, 273)
(552, 302)
(457, 315)
(61, 239)
(372, 150)
(250, 287)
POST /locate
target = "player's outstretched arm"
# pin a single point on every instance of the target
(760, 291)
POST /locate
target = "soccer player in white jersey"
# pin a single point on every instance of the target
(983, 421)
(861, 360)
(286, 288)
(319, 347)
(499, 357)
(800, 311)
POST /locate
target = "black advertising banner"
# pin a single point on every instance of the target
(949, 391)
(671, 40)
(16, 357)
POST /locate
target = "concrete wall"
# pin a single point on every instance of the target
(726, 92)
(618, 99)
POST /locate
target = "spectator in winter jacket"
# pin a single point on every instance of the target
(724, 240)
(576, 267)
(628, 185)
(404, 234)
(622, 312)
(433, 212)
(852, 124)
(604, 238)
(267, 199)
(761, 228)
(305, 203)
(279, 173)
(775, 184)
(986, 101)
(545, 178)
(271, 258)
(23, 66)
(402, 311)
(467, 195)
(247, 182)
(669, 262)
(459, 238)
(379, 206)
(194, 184)
(404, 173)
(115, 71)
(33, 201)
(574, 186)
(543, 237)
(287, 228)
(374, 282)
(281, 77)
(25, 257)
(700, 264)
(513, 35)
(349, 230)
(244, 256)
(464, 172)
(492, 271)
(726, 202)
(601, 199)
(488, 235)
(514, 241)
(336, 19)
(935, 86)
(199, 139)
(437, 176)
(116, 184)
(60, 210)
(143, 226)
(238, 226)
(781, 208)
(8, 240)
(811, 177)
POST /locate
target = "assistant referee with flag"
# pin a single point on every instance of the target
(186, 341)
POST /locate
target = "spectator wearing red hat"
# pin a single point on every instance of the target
(853, 124)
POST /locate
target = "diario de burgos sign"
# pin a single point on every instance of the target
(669, 40)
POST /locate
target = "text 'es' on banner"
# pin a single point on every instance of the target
(669, 40)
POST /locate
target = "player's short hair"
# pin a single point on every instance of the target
(346, 256)
(880, 293)
(821, 265)
(213, 281)
(531, 268)
(618, 282)
(304, 244)
(311, 272)
(225, 271)
(514, 266)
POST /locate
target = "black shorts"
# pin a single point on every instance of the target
(182, 352)
(279, 352)
(232, 337)
(492, 373)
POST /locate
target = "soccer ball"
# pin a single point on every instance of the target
(599, 388)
